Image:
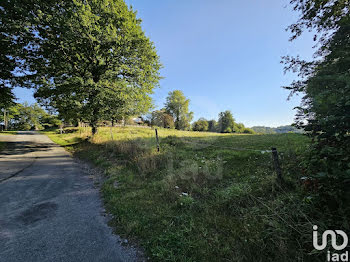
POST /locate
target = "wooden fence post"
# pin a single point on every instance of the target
(157, 139)
(276, 164)
(5, 119)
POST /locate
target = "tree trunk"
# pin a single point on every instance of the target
(94, 128)
(5, 119)
(92, 100)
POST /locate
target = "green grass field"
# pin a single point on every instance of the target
(3, 144)
(204, 196)
(8, 132)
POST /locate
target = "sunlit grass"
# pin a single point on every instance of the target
(247, 141)
(8, 132)
(204, 197)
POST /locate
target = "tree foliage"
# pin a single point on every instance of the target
(177, 106)
(162, 119)
(226, 122)
(200, 125)
(87, 59)
(212, 125)
(247, 130)
(322, 15)
(325, 83)
(30, 117)
(7, 97)
(9, 49)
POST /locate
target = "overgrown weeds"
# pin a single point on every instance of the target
(199, 200)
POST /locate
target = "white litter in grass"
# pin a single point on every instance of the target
(265, 151)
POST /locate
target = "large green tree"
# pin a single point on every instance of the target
(226, 123)
(7, 97)
(162, 118)
(27, 117)
(324, 16)
(200, 125)
(9, 49)
(127, 108)
(17, 45)
(212, 125)
(86, 58)
(177, 106)
(325, 85)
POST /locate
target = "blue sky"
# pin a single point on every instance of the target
(223, 54)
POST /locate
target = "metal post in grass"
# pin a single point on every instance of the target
(157, 139)
(276, 164)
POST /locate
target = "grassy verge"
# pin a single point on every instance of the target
(3, 144)
(204, 196)
(8, 132)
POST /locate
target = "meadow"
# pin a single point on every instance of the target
(204, 196)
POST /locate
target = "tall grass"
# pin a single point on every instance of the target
(204, 196)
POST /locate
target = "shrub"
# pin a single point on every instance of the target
(248, 131)
(200, 125)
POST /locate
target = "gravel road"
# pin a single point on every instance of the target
(49, 207)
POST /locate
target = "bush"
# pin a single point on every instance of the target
(228, 130)
(248, 131)
(200, 125)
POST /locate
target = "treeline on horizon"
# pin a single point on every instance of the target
(277, 130)
(28, 117)
(175, 115)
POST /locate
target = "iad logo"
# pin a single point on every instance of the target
(333, 236)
